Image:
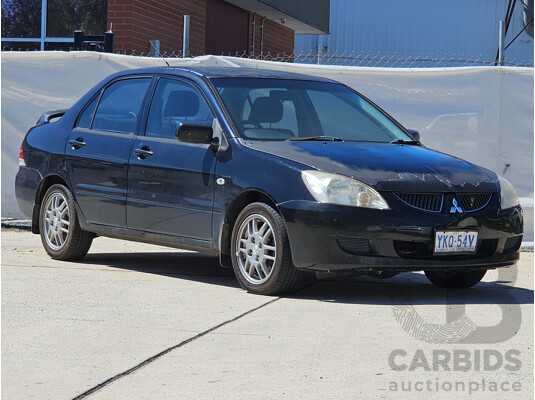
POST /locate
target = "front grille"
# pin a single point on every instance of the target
(424, 201)
(433, 202)
(424, 250)
(354, 245)
(471, 202)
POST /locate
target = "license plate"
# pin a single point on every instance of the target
(455, 242)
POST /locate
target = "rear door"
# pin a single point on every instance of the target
(99, 146)
(170, 184)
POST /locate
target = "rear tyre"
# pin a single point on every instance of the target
(457, 280)
(260, 251)
(62, 237)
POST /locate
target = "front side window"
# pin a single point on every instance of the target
(175, 102)
(282, 109)
(119, 109)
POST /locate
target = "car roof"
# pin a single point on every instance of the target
(230, 72)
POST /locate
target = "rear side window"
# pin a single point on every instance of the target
(175, 102)
(119, 109)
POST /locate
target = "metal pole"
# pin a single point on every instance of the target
(185, 38)
(262, 39)
(43, 23)
(78, 40)
(320, 47)
(154, 48)
(500, 44)
(109, 42)
(254, 28)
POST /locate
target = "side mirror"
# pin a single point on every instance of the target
(194, 132)
(414, 134)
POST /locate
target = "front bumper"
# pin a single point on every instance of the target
(326, 237)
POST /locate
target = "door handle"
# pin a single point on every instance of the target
(143, 152)
(77, 143)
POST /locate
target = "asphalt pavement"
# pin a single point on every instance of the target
(135, 321)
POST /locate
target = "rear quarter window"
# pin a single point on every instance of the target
(87, 116)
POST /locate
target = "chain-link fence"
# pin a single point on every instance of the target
(399, 61)
(370, 59)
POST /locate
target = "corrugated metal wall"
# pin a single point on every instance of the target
(417, 33)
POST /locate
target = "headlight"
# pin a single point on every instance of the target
(508, 196)
(338, 189)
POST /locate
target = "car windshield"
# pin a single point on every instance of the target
(281, 109)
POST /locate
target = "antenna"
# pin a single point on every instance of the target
(155, 50)
(165, 60)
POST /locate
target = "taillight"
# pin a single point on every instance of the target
(22, 163)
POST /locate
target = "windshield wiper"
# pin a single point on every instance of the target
(403, 141)
(319, 138)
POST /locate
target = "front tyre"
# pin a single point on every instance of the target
(261, 256)
(62, 237)
(457, 280)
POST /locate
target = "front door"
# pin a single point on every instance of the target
(170, 184)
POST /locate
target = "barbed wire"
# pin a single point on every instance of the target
(345, 59)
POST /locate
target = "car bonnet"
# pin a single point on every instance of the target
(386, 167)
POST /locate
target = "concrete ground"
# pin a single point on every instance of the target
(134, 321)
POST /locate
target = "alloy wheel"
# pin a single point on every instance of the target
(56, 221)
(256, 249)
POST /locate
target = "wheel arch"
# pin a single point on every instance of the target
(231, 215)
(45, 184)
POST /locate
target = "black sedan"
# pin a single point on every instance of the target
(277, 173)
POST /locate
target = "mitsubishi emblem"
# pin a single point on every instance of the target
(456, 207)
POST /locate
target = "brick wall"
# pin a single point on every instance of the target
(278, 39)
(135, 22)
(227, 28)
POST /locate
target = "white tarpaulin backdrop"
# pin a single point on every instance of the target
(481, 114)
